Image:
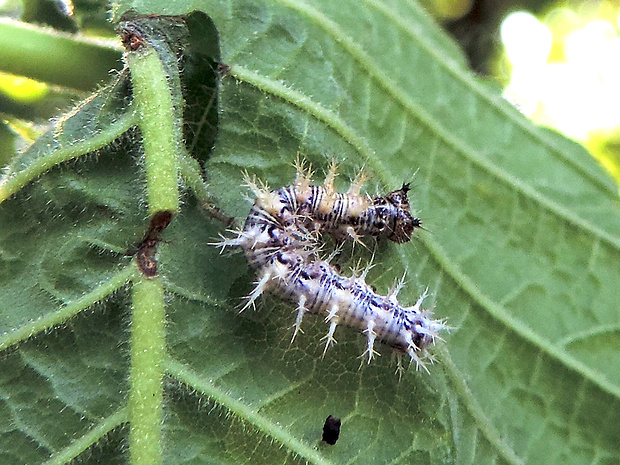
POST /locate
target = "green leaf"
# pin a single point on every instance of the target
(521, 258)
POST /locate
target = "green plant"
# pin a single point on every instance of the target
(521, 255)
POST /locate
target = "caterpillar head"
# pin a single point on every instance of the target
(399, 221)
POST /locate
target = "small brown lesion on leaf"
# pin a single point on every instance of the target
(145, 251)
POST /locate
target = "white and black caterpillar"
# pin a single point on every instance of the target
(281, 241)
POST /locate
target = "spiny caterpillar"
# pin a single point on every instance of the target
(281, 241)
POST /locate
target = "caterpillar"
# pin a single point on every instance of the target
(281, 240)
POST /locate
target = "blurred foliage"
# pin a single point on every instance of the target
(29, 103)
(558, 61)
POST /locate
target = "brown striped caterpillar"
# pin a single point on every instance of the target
(281, 241)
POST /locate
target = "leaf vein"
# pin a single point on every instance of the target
(10, 183)
(475, 410)
(79, 445)
(50, 320)
(425, 118)
(184, 374)
(446, 63)
(520, 328)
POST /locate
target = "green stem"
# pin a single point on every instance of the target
(161, 130)
(50, 56)
(191, 174)
(146, 372)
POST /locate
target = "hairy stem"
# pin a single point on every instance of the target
(157, 97)
(146, 373)
(159, 126)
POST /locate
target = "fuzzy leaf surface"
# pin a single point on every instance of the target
(521, 258)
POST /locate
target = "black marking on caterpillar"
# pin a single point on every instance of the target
(281, 241)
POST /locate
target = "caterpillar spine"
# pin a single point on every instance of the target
(281, 241)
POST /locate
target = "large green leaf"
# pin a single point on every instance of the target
(521, 257)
